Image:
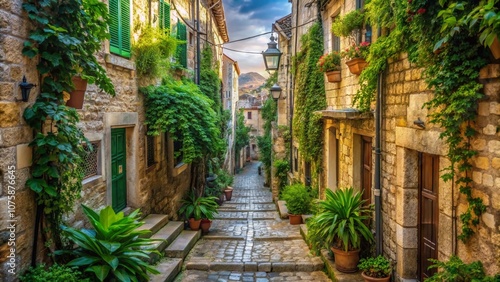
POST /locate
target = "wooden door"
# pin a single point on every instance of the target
(118, 169)
(428, 213)
(366, 169)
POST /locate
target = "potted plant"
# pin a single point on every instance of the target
(76, 96)
(375, 269)
(208, 207)
(330, 65)
(355, 57)
(298, 202)
(195, 208)
(340, 225)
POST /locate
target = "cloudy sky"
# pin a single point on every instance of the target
(246, 18)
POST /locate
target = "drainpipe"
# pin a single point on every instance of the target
(198, 63)
(377, 191)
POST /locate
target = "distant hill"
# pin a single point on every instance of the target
(250, 81)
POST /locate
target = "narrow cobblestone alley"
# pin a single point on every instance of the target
(249, 242)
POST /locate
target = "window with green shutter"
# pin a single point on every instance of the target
(119, 28)
(182, 47)
(164, 15)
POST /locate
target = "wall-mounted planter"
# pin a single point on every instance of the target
(333, 76)
(77, 95)
(356, 66)
(495, 48)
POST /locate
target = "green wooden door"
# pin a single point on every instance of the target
(118, 169)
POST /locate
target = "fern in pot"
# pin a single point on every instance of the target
(298, 202)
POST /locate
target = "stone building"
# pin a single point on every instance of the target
(251, 106)
(230, 74)
(415, 224)
(152, 179)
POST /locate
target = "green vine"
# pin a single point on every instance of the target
(65, 37)
(269, 115)
(310, 97)
(420, 27)
(241, 136)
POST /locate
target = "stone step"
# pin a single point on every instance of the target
(206, 265)
(282, 209)
(154, 222)
(168, 268)
(181, 246)
(166, 235)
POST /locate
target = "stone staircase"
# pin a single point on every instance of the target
(173, 245)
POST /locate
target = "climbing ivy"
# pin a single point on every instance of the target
(64, 39)
(269, 115)
(310, 96)
(452, 72)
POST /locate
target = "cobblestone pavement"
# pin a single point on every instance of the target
(249, 242)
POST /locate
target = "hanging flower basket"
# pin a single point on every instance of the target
(356, 65)
(77, 95)
(495, 48)
(333, 76)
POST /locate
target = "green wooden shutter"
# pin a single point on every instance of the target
(164, 15)
(182, 47)
(119, 28)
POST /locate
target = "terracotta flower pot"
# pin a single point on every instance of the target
(295, 219)
(229, 194)
(77, 95)
(205, 225)
(373, 279)
(356, 65)
(194, 224)
(346, 261)
(333, 76)
(495, 48)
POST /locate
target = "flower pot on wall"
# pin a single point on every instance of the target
(495, 48)
(356, 65)
(346, 261)
(77, 95)
(333, 76)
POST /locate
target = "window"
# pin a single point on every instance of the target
(178, 156)
(119, 28)
(295, 159)
(191, 39)
(164, 10)
(150, 150)
(335, 40)
(249, 115)
(91, 160)
(182, 47)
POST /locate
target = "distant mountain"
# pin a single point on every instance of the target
(250, 81)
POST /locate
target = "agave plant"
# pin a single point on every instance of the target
(340, 220)
(115, 249)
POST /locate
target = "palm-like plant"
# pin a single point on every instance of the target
(115, 248)
(199, 207)
(339, 222)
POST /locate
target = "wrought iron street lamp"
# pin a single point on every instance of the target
(272, 55)
(275, 92)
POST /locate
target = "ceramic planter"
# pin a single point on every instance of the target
(333, 76)
(77, 95)
(194, 224)
(205, 225)
(346, 261)
(373, 279)
(229, 194)
(356, 66)
(295, 219)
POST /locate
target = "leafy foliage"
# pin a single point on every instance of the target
(241, 135)
(182, 110)
(298, 200)
(378, 267)
(114, 249)
(346, 25)
(54, 273)
(269, 115)
(199, 207)
(339, 222)
(310, 96)
(281, 172)
(456, 270)
(65, 37)
(152, 52)
(329, 62)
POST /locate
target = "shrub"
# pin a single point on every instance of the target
(456, 270)
(114, 249)
(54, 273)
(298, 200)
(378, 267)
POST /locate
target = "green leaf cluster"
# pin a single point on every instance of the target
(115, 249)
(54, 273)
(199, 207)
(310, 96)
(456, 270)
(179, 107)
(281, 168)
(241, 136)
(298, 199)
(378, 267)
(339, 221)
(345, 25)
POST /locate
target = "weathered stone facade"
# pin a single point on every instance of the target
(156, 188)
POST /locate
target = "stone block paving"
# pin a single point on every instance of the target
(226, 276)
(249, 242)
